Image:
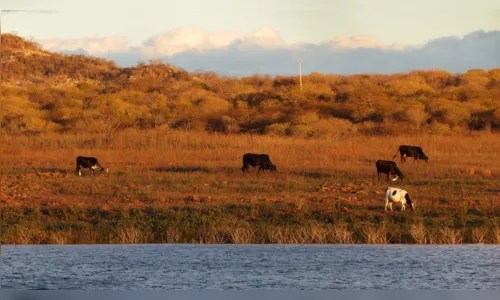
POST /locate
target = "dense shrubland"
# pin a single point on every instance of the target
(43, 92)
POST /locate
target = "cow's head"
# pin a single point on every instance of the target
(271, 167)
(423, 156)
(97, 166)
(399, 175)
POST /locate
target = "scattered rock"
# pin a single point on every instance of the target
(364, 193)
(345, 190)
(471, 171)
(195, 198)
(487, 172)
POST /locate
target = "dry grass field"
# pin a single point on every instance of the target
(188, 187)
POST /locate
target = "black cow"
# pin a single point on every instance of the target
(88, 162)
(411, 151)
(261, 160)
(388, 167)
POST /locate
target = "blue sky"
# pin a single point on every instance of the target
(295, 21)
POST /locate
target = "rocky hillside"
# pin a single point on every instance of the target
(25, 62)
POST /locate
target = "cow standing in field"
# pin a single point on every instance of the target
(396, 195)
(260, 160)
(411, 151)
(388, 167)
(88, 162)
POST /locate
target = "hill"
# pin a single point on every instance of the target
(45, 92)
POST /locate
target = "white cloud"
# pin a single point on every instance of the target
(361, 41)
(186, 39)
(265, 37)
(182, 40)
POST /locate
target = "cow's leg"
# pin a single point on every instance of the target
(378, 177)
(402, 206)
(390, 206)
(386, 203)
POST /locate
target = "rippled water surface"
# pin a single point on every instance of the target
(310, 267)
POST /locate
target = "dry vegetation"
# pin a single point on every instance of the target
(188, 187)
(173, 142)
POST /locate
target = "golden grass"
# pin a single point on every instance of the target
(129, 235)
(182, 164)
(418, 233)
(330, 176)
(450, 236)
(479, 235)
(375, 235)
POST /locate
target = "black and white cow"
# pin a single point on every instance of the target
(397, 195)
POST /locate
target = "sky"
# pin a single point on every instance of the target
(129, 31)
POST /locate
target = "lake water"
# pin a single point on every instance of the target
(246, 267)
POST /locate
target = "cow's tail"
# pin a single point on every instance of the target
(397, 151)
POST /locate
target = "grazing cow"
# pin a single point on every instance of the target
(411, 151)
(88, 162)
(261, 160)
(396, 195)
(388, 167)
